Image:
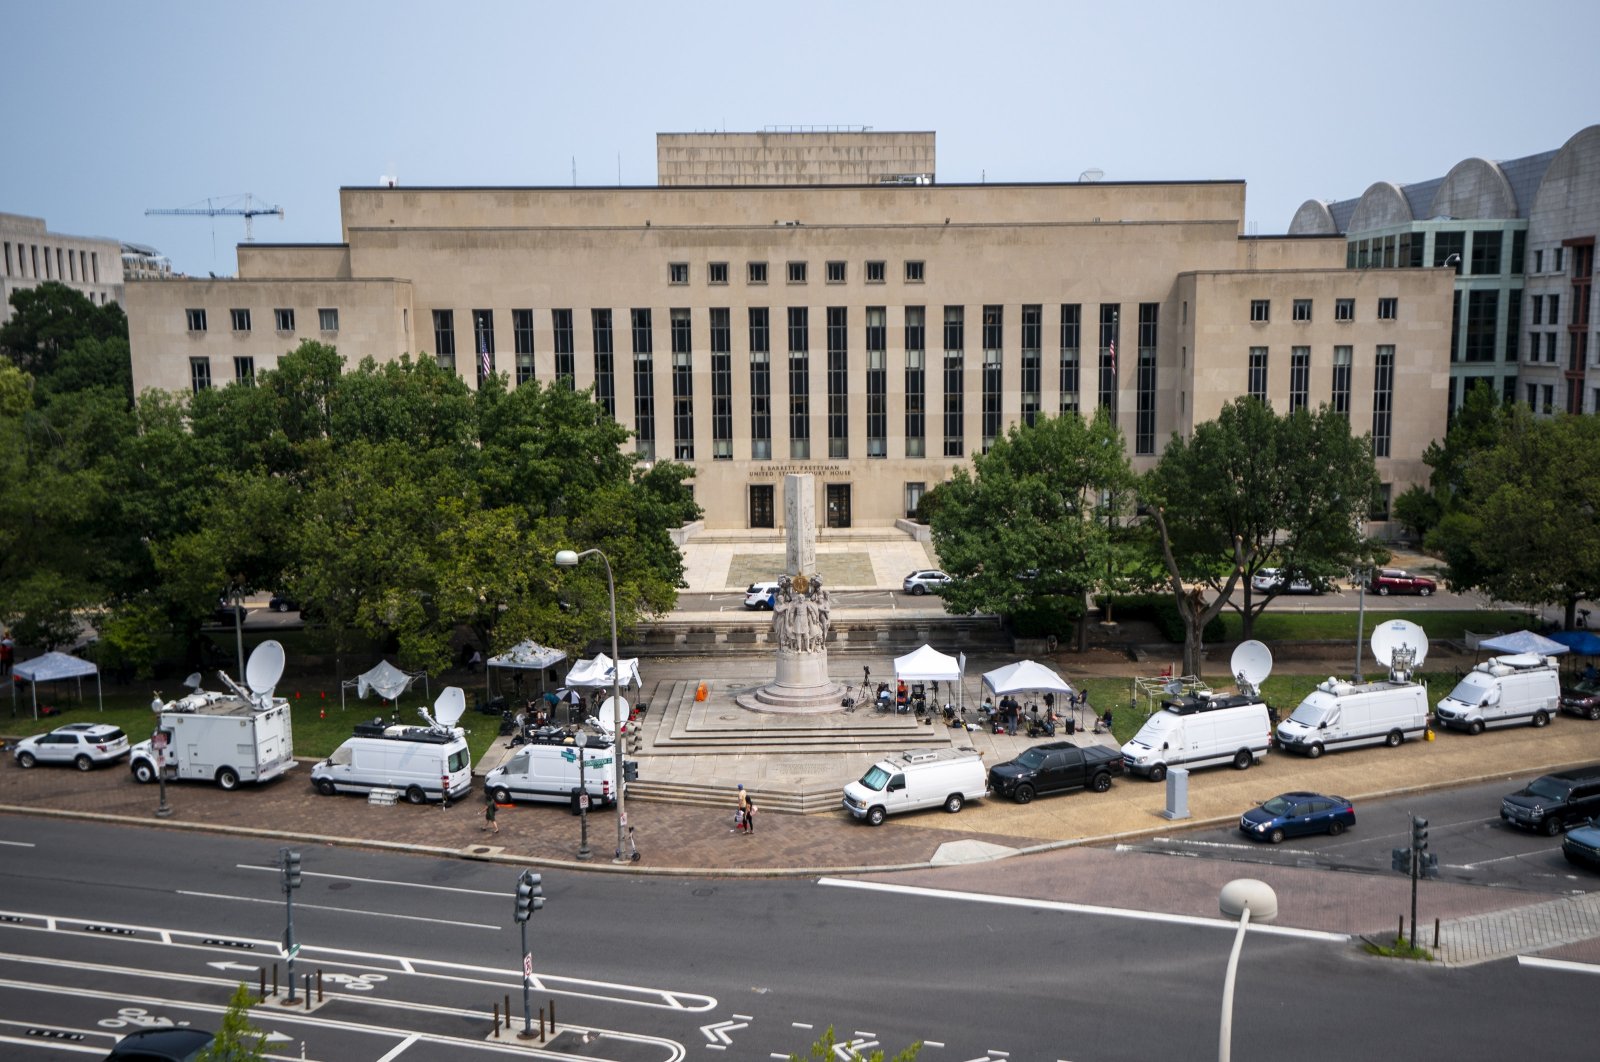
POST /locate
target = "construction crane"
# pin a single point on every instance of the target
(229, 205)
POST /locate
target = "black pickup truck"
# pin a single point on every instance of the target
(1054, 767)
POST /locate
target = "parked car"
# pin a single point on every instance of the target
(1581, 846)
(171, 1044)
(920, 582)
(227, 612)
(1582, 699)
(1386, 581)
(283, 603)
(1271, 581)
(1055, 767)
(761, 595)
(1553, 802)
(84, 745)
(1294, 814)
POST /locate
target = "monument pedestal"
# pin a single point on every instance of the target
(802, 687)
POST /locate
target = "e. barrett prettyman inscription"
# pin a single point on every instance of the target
(764, 470)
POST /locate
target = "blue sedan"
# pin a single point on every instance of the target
(1293, 814)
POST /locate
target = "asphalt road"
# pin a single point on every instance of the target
(102, 928)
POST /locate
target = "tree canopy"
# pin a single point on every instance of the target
(1254, 489)
(1027, 532)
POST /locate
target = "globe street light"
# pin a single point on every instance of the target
(567, 558)
(1243, 899)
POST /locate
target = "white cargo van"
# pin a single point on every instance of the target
(922, 778)
(1203, 729)
(1342, 715)
(420, 762)
(1504, 691)
(547, 769)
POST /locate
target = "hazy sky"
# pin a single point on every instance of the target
(107, 109)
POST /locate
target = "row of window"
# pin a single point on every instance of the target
(1343, 310)
(282, 319)
(59, 263)
(1408, 250)
(836, 272)
(1542, 397)
(1339, 396)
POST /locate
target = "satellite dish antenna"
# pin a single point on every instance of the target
(193, 681)
(607, 714)
(1174, 687)
(1251, 664)
(1090, 176)
(448, 707)
(264, 669)
(1400, 646)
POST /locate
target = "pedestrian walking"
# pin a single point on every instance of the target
(742, 812)
(489, 810)
(749, 815)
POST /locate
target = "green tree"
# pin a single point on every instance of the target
(49, 320)
(1253, 489)
(237, 1040)
(1522, 526)
(828, 1049)
(1028, 532)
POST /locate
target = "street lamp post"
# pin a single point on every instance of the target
(1361, 620)
(583, 800)
(567, 558)
(1242, 898)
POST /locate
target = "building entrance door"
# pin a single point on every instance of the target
(838, 505)
(761, 514)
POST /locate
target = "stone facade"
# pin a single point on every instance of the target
(33, 254)
(806, 157)
(876, 337)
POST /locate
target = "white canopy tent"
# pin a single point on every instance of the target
(52, 667)
(1022, 676)
(526, 656)
(386, 680)
(596, 673)
(1523, 642)
(929, 665)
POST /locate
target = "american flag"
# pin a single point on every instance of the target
(1113, 355)
(483, 354)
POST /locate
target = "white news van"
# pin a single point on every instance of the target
(228, 738)
(921, 778)
(420, 762)
(1203, 729)
(1504, 691)
(547, 769)
(1342, 715)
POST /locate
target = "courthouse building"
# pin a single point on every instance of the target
(30, 255)
(819, 302)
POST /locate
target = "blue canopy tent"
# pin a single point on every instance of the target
(1584, 643)
(52, 667)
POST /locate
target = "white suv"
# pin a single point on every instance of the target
(84, 745)
(921, 582)
(761, 595)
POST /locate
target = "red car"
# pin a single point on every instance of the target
(1386, 581)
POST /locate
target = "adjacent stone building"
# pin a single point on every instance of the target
(33, 254)
(876, 334)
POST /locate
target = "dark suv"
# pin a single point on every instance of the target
(1554, 802)
(1055, 767)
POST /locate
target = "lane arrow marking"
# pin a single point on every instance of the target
(720, 1031)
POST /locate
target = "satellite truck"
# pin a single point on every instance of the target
(421, 763)
(1205, 729)
(227, 738)
(1346, 715)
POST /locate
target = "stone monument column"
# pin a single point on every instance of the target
(800, 615)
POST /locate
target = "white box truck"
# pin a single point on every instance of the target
(1200, 730)
(547, 769)
(1343, 715)
(245, 736)
(421, 763)
(921, 778)
(1504, 691)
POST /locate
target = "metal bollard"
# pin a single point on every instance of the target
(261, 975)
(1400, 932)
(319, 984)
(274, 979)
(497, 1020)
(308, 991)
(1436, 934)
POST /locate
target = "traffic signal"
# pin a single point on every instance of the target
(291, 869)
(1419, 834)
(630, 770)
(530, 894)
(1400, 860)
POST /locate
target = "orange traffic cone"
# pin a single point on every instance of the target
(700, 692)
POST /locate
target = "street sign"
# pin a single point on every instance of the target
(527, 964)
(569, 755)
(597, 763)
(583, 801)
(158, 740)
(292, 952)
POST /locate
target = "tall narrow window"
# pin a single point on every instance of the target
(1110, 322)
(483, 342)
(1144, 422)
(760, 384)
(799, 383)
(1483, 318)
(644, 384)
(721, 385)
(1032, 334)
(200, 374)
(522, 344)
(605, 363)
(1299, 378)
(561, 343)
(955, 405)
(1513, 349)
(838, 380)
(1071, 337)
(916, 382)
(993, 371)
(244, 371)
(1258, 373)
(1382, 401)
(444, 339)
(877, 382)
(682, 386)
